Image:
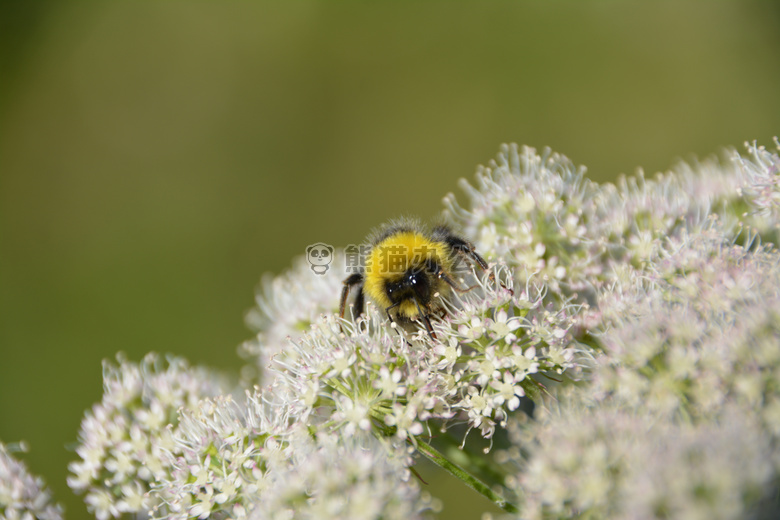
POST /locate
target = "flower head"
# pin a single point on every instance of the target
(289, 305)
(703, 331)
(254, 459)
(649, 307)
(124, 438)
(612, 462)
(330, 476)
(22, 495)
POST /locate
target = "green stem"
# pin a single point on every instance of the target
(483, 467)
(470, 480)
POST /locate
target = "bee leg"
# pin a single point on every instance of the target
(466, 249)
(351, 281)
(436, 270)
(397, 329)
(387, 311)
(390, 318)
(426, 321)
(359, 303)
(452, 283)
(429, 327)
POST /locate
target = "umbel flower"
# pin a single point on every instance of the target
(369, 375)
(233, 457)
(611, 461)
(124, 438)
(649, 307)
(23, 496)
(287, 306)
(703, 332)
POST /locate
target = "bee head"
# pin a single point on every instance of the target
(414, 283)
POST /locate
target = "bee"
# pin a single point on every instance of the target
(407, 268)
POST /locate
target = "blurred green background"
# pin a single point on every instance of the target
(157, 158)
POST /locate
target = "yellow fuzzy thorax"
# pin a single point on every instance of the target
(390, 258)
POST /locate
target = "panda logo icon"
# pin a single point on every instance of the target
(319, 257)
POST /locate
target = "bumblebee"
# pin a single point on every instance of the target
(406, 269)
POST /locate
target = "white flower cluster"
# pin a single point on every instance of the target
(618, 463)
(651, 305)
(760, 186)
(680, 413)
(125, 437)
(371, 375)
(256, 460)
(157, 444)
(706, 332)
(332, 476)
(22, 495)
(545, 219)
(224, 450)
(529, 211)
(287, 306)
